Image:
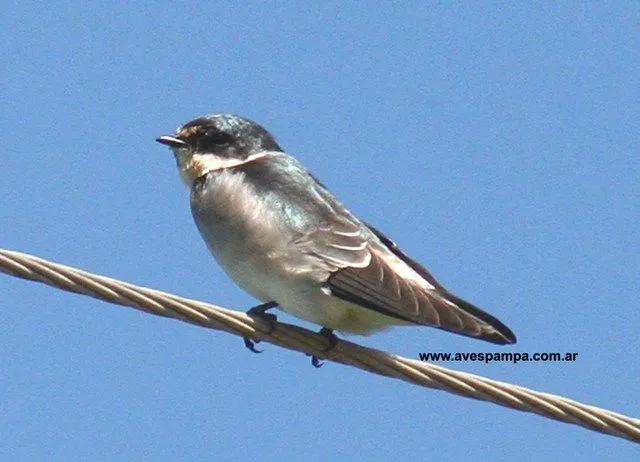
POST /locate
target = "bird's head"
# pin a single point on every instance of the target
(215, 142)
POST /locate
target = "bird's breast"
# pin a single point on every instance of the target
(245, 231)
(253, 237)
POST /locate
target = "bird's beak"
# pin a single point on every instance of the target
(171, 141)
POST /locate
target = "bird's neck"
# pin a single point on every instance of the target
(193, 166)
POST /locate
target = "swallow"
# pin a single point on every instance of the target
(281, 235)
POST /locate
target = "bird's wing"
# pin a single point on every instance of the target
(359, 264)
(368, 269)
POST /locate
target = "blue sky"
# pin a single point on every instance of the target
(496, 143)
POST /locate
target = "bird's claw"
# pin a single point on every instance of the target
(316, 362)
(332, 338)
(251, 344)
(261, 312)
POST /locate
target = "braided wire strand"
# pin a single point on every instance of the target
(289, 336)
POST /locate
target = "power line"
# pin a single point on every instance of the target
(296, 338)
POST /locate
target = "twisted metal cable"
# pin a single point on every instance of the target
(296, 338)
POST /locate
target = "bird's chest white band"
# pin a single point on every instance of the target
(193, 166)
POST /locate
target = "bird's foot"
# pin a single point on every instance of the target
(261, 312)
(332, 339)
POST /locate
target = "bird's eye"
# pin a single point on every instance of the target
(216, 138)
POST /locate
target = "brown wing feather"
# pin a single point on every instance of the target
(379, 287)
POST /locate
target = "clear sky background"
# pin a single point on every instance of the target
(497, 144)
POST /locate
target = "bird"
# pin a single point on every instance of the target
(281, 235)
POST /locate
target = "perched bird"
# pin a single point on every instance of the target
(285, 238)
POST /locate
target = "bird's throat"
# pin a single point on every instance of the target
(193, 166)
